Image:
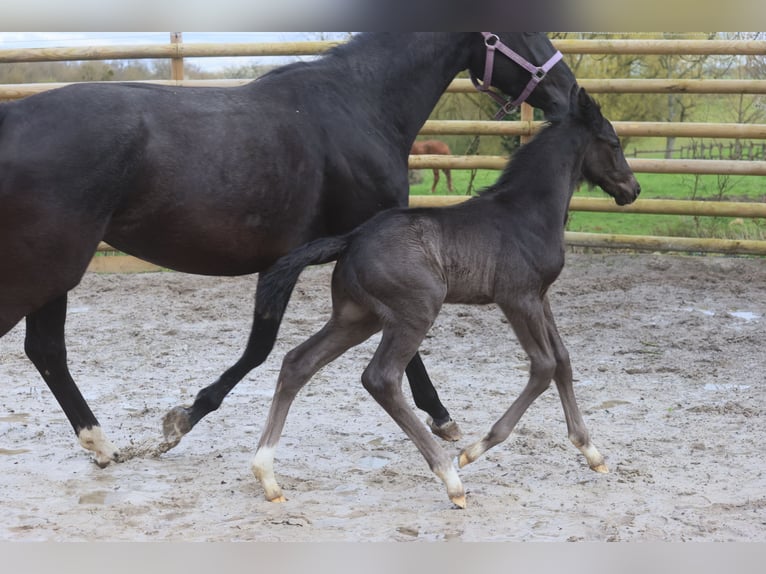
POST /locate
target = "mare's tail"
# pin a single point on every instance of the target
(276, 284)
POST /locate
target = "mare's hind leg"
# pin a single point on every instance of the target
(578, 433)
(298, 366)
(448, 173)
(427, 399)
(46, 348)
(383, 380)
(531, 330)
(180, 420)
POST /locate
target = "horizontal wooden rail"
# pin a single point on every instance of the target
(661, 47)
(164, 51)
(653, 206)
(660, 243)
(649, 86)
(698, 166)
(595, 86)
(647, 206)
(250, 49)
(646, 129)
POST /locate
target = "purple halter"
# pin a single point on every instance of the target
(492, 41)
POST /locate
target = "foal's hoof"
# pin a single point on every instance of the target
(458, 501)
(175, 425)
(601, 468)
(448, 431)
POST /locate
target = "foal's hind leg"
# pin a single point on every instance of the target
(383, 380)
(298, 366)
(46, 348)
(578, 433)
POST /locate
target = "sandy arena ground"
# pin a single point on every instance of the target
(668, 356)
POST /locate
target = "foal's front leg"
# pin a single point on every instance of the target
(578, 433)
(531, 331)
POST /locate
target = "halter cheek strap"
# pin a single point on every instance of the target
(493, 43)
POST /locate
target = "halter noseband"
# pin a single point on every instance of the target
(492, 42)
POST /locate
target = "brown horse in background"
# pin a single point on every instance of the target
(436, 147)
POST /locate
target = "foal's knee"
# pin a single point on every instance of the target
(542, 370)
(294, 369)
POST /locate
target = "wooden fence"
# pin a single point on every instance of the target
(176, 50)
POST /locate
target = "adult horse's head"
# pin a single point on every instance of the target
(604, 163)
(509, 59)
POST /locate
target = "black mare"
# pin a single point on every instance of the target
(221, 181)
(395, 271)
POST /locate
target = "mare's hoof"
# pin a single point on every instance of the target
(448, 431)
(279, 498)
(175, 425)
(104, 461)
(601, 468)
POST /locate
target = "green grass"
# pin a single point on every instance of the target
(654, 186)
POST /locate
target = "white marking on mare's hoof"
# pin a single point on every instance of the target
(175, 425)
(93, 439)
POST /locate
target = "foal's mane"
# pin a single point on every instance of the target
(527, 162)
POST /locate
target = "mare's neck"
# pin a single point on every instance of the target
(402, 75)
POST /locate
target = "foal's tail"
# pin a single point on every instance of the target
(276, 284)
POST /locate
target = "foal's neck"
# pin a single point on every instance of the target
(549, 167)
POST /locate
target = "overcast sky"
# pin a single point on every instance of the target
(18, 40)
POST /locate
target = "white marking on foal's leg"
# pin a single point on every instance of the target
(454, 486)
(93, 439)
(471, 453)
(263, 469)
(594, 458)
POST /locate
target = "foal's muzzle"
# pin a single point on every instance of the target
(627, 192)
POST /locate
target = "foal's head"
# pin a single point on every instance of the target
(604, 164)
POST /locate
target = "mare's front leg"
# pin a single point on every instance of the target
(427, 399)
(46, 348)
(578, 433)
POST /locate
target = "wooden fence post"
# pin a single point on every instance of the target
(527, 114)
(176, 64)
